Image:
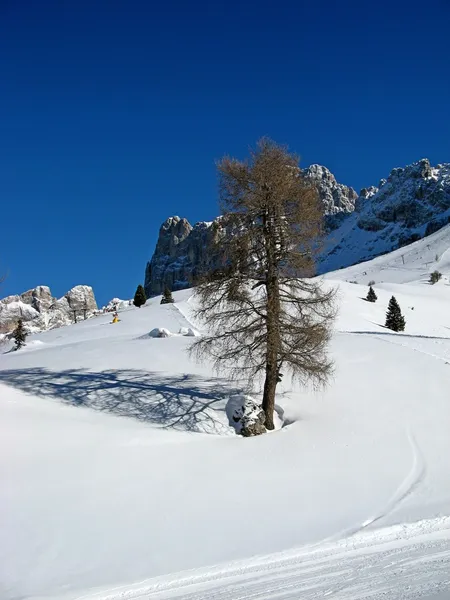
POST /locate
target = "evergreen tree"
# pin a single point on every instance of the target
(435, 276)
(19, 335)
(139, 297)
(167, 297)
(394, 318)
(371, 296)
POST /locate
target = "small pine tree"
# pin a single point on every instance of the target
(19, 335)
(139, 297)
(371, 296)
(394, 318)
(167, 297)
(435, 276)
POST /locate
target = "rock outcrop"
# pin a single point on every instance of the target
(412, 202)
(336, 197)
(182, 249)
(40, 311)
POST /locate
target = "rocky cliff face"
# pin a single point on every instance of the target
(182, 249)
(412, 202)
(40, 311)
(180, 252)
(336, 197)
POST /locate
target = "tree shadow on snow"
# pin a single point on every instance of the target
(399, 334)
(183, 402)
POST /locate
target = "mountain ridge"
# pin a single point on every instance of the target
(412, 202)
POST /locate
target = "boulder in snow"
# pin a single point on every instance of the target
(246, 415)
(159, 332)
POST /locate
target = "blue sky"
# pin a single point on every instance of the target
(112, 114)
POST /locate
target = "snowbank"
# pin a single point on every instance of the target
(159, 332)
(162, 332)
(189, 332)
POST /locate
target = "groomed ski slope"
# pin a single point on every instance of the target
(122, 479)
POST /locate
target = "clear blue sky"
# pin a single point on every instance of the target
(113, 112)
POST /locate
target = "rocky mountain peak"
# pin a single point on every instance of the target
(412, 202)
(336, 197)
(172, 233)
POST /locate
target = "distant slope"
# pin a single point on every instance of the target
(412, 263)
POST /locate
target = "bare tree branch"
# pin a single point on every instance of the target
(262, 310)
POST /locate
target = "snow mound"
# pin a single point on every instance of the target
(35, 344)
(159, 332)
(162, 332)
(189, 332)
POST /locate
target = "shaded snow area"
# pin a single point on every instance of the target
(124, 479)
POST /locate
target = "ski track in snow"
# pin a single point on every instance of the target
(394, 339)
(402, 562)
(411, 481)
(181, 317)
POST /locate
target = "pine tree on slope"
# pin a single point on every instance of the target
(19, 335)
(371, 296)
(394, 318)
(139, 297)
(167, 297)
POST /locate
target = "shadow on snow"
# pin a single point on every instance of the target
(394, 333)
(183, 402)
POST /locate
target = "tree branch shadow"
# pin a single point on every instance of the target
(183, 402)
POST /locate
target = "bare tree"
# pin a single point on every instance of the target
(262, 313)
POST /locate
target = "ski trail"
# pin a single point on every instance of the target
(406, 487)
(395, 341)
(412, 480)
(183, 321)
(398, 562)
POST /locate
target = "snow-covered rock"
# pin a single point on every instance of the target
(116, 304)
(159, 332)
(336, 197)
(40, 311)
(246, 415)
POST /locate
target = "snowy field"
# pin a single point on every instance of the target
(123, 480)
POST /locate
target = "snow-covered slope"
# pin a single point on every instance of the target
(410, 264)
(411, 203)
(122, 478)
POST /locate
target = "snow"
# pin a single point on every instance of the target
(125, 480)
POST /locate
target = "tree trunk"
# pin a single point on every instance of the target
(268, 403)
(272, 321)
